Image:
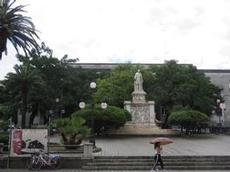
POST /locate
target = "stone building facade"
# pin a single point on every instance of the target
(221, 78)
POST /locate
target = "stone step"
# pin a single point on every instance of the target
(204, 167)
(150, 160)
(151, 163)
(165, 158)
(170, 162)
(140, 130)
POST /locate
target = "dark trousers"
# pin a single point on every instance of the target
(157, 161)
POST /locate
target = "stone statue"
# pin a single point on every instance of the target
(138, 81)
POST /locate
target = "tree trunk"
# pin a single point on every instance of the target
(34, 113)
(24, 108)
(3, 41)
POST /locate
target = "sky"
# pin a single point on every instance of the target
(137, 31)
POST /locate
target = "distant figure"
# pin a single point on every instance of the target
(157, 157)
(138, 81)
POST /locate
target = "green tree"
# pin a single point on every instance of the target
(20, 84)
(116, 87)
(182, 85)
(16, 28)
(188, 119)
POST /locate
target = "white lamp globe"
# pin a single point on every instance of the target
(93, 85)
(82, 105)
(104, 105)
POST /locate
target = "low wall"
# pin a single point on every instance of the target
(22, 162)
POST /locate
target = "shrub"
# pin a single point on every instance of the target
(188, 119)
(112, 117)
(4, 138)
(72, 130)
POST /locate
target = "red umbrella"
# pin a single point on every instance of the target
(162, 140)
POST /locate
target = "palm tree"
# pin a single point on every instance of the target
(16, 28)
(21, 84)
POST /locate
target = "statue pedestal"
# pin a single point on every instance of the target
(138, 97)
(141, 112)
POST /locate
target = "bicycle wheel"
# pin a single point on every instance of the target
(55, 163)
(35, 163)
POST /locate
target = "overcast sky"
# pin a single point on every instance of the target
(137, 31)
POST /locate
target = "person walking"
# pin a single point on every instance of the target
(157, 157)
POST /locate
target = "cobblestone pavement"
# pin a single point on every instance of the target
(139, 146)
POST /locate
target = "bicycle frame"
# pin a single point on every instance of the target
(40, 159)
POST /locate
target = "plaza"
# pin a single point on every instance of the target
(139, 146)
(202, 145)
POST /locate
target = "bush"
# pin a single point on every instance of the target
(188, 119)
(4, 138)
(112, 117)
(72, 130)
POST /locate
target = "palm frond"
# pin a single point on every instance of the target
(17, 28)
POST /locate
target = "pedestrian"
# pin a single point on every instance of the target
(157, 157)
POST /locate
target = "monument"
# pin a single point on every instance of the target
(142, 111)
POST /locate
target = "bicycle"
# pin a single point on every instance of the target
(40, 160)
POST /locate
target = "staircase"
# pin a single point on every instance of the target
(170, 163)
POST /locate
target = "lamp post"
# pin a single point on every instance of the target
(57, 100)
(51, 116)
(82, 106)
(93, 86)
(49, 120)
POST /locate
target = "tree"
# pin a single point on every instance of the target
(182, 85)
(116, 87)
(16, 28)
(20, 84)
(188, 119)
(58, 78)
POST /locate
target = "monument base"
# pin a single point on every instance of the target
(141, 130)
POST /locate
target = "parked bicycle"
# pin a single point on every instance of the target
(40, 160)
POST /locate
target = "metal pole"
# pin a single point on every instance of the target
(93, 85)
(92, 124)
(9, 143)
(48, 148)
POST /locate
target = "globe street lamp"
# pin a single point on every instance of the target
(82, 106)
(93, 86)
(51, 116)
(104, 105)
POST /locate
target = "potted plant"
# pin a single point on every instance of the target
(72, 131)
